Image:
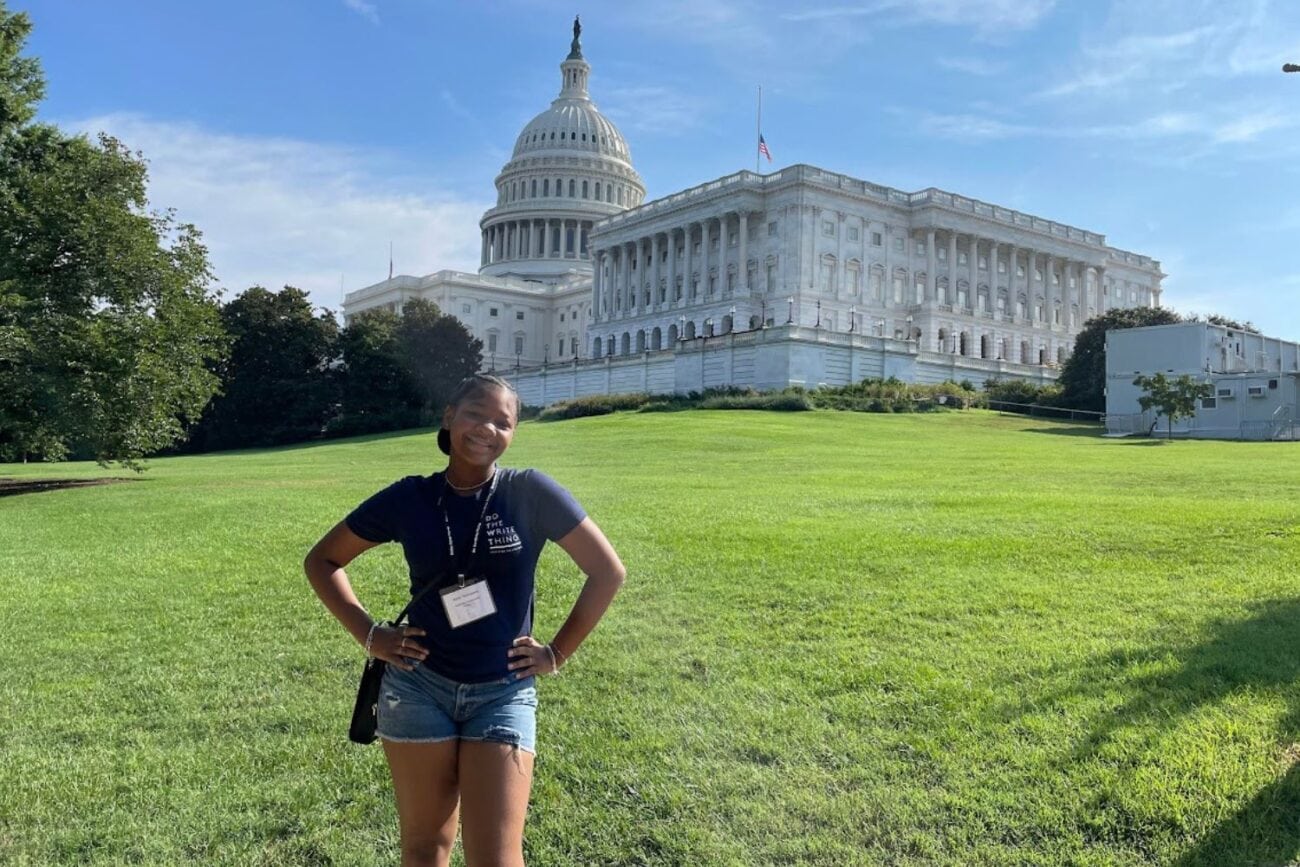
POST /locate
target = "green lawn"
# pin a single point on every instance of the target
(845, 639)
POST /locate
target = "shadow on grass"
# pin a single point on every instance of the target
(1258, 654)
(359, 439)
(11, 487)
(1065, 429)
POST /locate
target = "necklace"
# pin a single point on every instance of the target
(474, 487)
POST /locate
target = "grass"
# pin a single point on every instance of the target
(845, 639)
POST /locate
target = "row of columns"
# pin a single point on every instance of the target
(519, 239)
(1055, 295)
(619, 288)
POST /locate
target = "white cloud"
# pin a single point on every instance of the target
(277, 211)
(652, 109)
(986, 16)
(366, 10)
(973, 65)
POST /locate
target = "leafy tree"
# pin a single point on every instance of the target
(277, 386)
(1172, 398)
(1226, 322)
(1083, 378)
(107, 324)
(437, 351)
(375, 391)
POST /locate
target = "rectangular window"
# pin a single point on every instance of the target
(898, 245)
(1209, 403)
(561, 317)
(828, 228)
(1020, 270)
(466, 309)
(920, 248)
(984, 263)
(492, 343)
(519, 344)
(519, 314)
(771, 228)
(1002, 267)
(853, 233)
(876, 240)
(942, 254)
(1272, 383)
(492, 311)
(961, 259)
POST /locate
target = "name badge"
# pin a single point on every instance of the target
(465, 603)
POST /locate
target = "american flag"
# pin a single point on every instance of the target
(762, 148)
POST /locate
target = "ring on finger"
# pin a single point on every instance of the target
(403, 644)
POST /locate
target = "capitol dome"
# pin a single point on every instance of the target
(570, 168)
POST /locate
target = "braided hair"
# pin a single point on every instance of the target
(469, 388)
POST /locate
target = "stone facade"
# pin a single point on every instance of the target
(823, 272)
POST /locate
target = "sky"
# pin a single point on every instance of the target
(303, 137)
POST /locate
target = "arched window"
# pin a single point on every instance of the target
(965, 344)
(640, 341)
(595, 348)
(656, 339)
(620, 194)
(984, 346)
(584, 190)
(943, 340)
(533, 194)
(573, 186)
(690, 329)
(546, 187)
(672, 334)
(626, 343)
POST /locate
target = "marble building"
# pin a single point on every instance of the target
(798, 276)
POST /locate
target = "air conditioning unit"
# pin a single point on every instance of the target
(1224, 392)
(1255, 391)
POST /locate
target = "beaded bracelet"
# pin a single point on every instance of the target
(370, 636)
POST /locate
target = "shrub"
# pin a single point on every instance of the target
(595, 404)
(777, 401)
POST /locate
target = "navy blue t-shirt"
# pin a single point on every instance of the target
(526, 509)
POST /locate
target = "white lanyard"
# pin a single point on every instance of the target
(478, 528)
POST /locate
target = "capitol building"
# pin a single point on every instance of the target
(800, 276)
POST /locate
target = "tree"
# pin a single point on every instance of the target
(375, 391)
(277, 385)
(1172, 398)
(107, 324)
(438, 352)
(1083, 378)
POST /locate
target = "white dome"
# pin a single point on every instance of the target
(571, 125)
(570, 169)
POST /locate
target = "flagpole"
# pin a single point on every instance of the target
(758, 129)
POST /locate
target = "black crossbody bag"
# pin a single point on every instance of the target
(365, 713)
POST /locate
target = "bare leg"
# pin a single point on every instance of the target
(494, 783)
(424, 780)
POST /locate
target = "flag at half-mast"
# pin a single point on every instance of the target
(762, 148)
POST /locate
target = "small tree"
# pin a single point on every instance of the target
(437, 352)
(1172, 398)
(1083, 378)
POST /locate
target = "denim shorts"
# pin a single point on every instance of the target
(422, 706)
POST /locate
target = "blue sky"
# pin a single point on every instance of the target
(301, 136)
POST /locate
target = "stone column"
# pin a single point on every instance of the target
(1049, 291)
(1012, 255)
(704, 261)
(952, 268)
(654, 272)
(1081, 295)
(973, 270)
(742, 277)
(686, 278)
(597, 273)
(930, 264)
(669, 297)
(1103, 299)
(624, 289)
(722, 255)
(887, 285)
